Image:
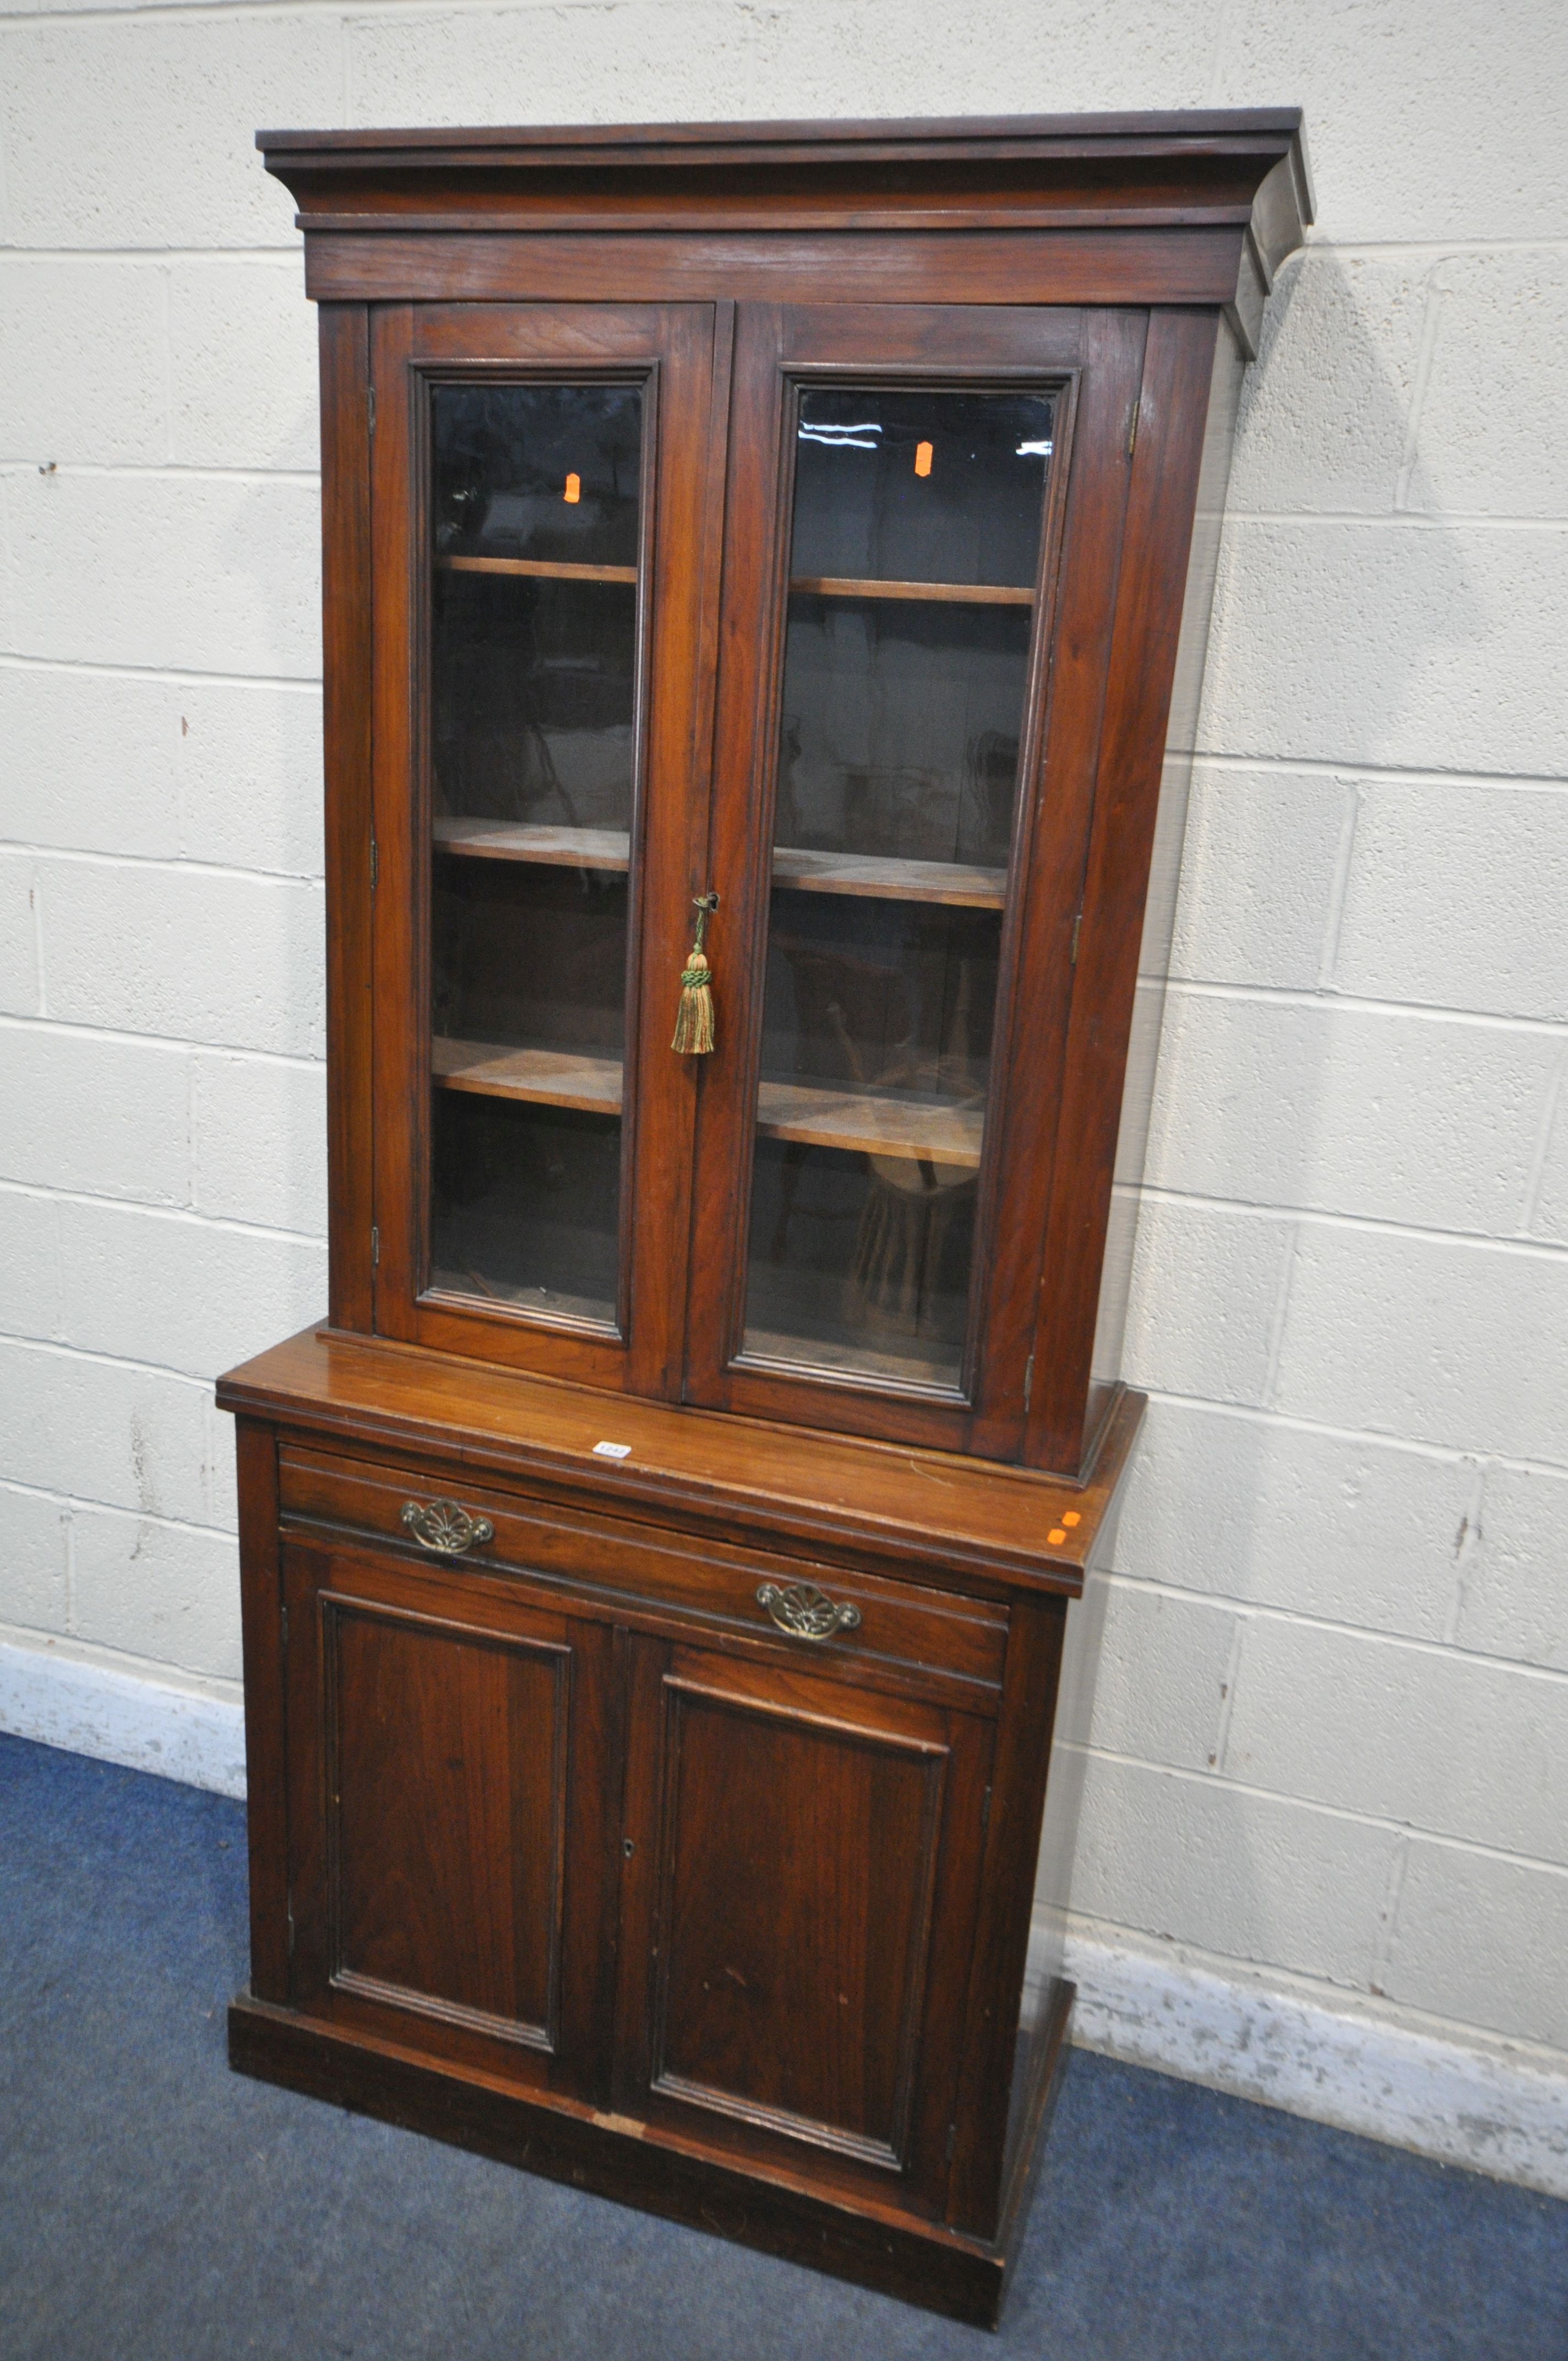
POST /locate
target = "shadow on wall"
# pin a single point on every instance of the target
(274, 1115)
(1330, 622)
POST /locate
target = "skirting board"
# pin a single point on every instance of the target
(1482, 2108)
(1487, 2109)
(88, 1709)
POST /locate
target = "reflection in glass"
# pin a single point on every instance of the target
(534, 664)
(915, 549)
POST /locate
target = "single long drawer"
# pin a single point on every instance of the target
(823, 1612)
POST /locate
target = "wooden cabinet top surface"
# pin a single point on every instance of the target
(923, 1511)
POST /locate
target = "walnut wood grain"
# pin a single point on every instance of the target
(959, 884)
(551, 1077)
(347, 687)
(670, 351)
(448, 1782)
(1162, 477)
(1143, 172)
(909, 1124)
(950, 594)
(567, 1853)
(849, 2059)
(448, 1757)
(408, 260)
(851, 1909)
(549, 569)
(933, 1516)
(664, 2172)
(560, 848)
(1050, 918)
(849, 340)
(920, 1640)
(265, 1655)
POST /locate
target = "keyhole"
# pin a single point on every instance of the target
(626, 1847)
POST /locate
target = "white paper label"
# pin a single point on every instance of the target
(612, 1451)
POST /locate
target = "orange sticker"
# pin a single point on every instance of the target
(1056, 1535)
(573, 488)
(1072, 1517)
(922, 454)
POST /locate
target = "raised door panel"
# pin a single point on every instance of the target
(797, 1911)
(446, 1775)
(541, 484)
(450, 1864)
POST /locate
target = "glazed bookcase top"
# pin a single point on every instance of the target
(584, 390)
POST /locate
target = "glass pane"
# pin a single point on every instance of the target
(534, 662)
(917, 542)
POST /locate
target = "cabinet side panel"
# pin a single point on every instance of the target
(1159, 915)
(1011, 1850)
(1165, 462)
(261, 1603)
(1064, 1789)
(345, 660)
(1040, 2007)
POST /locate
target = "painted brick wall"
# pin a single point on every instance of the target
(1328, 1744)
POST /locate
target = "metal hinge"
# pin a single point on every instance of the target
(370, 405)
(952, 2140)
(291, 1918)
(1072, 956)
(375, 1245)
(1028, 1380)
(985, 1810)
(1133, 430)
(283, 1618)
(375, 862)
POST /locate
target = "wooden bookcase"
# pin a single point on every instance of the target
(656, 1571)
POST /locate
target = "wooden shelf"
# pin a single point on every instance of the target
(512, 839)
(960, 594)
(958, 883)
(914, 1123)
(955, 883)
(562, 1078)
(549, 569)
(810, 1353)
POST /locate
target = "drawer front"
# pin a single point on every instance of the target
(820, 1614)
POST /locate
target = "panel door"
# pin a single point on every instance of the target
(923, 512)
(451, 1858)
(799, 1896)
(541, 484)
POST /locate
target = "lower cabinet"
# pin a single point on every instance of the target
(729, 1891)
(639, 1845)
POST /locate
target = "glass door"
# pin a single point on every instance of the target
(536, 531)
(915, 550)
(893, 736)
(557, 476)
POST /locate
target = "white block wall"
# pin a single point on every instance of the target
(1327, 1758)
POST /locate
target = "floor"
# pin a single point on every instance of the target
(152, 2203)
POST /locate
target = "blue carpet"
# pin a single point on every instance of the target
(152, 2203)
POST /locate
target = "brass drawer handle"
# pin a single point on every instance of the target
(446, 1526)
(805, 1612)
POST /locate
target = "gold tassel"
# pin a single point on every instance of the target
(694, 1018)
